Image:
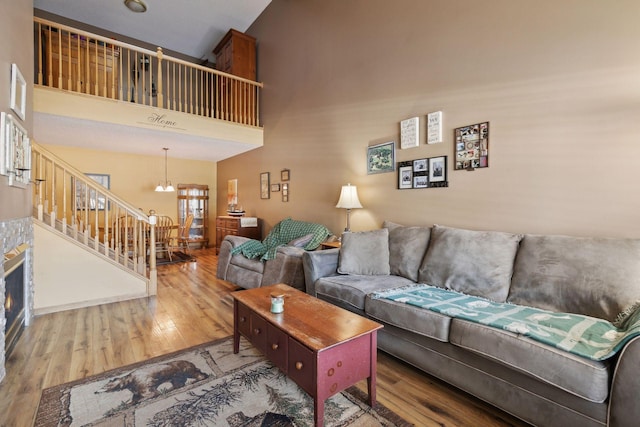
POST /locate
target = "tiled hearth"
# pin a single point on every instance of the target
(14, 233)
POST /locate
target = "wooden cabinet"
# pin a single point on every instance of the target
(236, 54)
(226, 225)
(236, 100)
(194, 199)
(75, 64)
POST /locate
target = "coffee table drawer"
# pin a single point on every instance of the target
(301, 367)
(277, 347)
(258, 335)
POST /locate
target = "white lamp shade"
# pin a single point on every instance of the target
(349, 197)
(159, 187)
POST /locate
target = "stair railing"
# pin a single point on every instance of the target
(81, 208)
(78, 61)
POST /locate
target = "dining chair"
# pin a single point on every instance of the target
(183, 233)
(164, 225)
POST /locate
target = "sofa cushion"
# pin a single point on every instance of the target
(577, 375)
(477, 263)
(407, 246)
(593, 276)
(365, 252)
(415, 319)
(352, 289)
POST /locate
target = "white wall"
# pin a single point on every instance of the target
(68, 276)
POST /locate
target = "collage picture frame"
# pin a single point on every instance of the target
(423, 173)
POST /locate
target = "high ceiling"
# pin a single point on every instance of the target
(191, 27)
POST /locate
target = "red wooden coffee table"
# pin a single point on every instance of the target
(323, 348)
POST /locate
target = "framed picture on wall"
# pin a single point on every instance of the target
(89, 198)
(18, 92)
(405, 175)
(264, 185)
(381, 158)
(438, 169)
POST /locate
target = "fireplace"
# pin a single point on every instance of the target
(14, 295)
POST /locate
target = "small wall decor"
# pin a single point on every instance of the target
(405, 175)
(88, 198)
(285, 192)
(18, 92)
(438, 169)
(264, 185)
(472, 146)
(285, 174)
(381, 158)
(15, 152)
(423, 173)
(275, 188)
(434, 127)
(410, 132)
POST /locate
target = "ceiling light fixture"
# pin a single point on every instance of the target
(167, 184)
(137, 6)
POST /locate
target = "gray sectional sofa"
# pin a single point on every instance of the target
(540, 383)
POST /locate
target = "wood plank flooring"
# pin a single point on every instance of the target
(192, 307)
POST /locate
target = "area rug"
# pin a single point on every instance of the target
(206, 385)
(176, 257)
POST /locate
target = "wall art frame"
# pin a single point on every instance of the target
(410, 133)
(471, 146)
(275, 188)
(423, 173)
(434, 127)
(285, 174)
(285, 192)
(264, 185)
(18, 92)
(15, 152)
(438, 169)
(405, 175)
(381, 158)
(90, 198)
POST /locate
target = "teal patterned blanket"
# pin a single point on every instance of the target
(281, 234)
(589, 337)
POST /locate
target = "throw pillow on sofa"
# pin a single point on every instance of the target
(477, 263)
(365, 252)
(407, 246)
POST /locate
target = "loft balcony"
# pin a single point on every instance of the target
(82, 77)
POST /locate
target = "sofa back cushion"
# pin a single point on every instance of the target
(477, 263)
(407, 246)
(593, 276)
(365, 252)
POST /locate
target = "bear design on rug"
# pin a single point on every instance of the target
(143, 383)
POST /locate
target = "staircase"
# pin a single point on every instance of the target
(82, 212)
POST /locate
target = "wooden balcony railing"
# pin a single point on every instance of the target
(68, 200)
(78, 61)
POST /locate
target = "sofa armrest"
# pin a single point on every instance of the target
(286, 268)
(625, 388)
(319, 264)
(224, 253)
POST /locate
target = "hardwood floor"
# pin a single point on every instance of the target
(192, 307)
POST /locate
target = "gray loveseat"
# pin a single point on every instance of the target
(539, 383)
